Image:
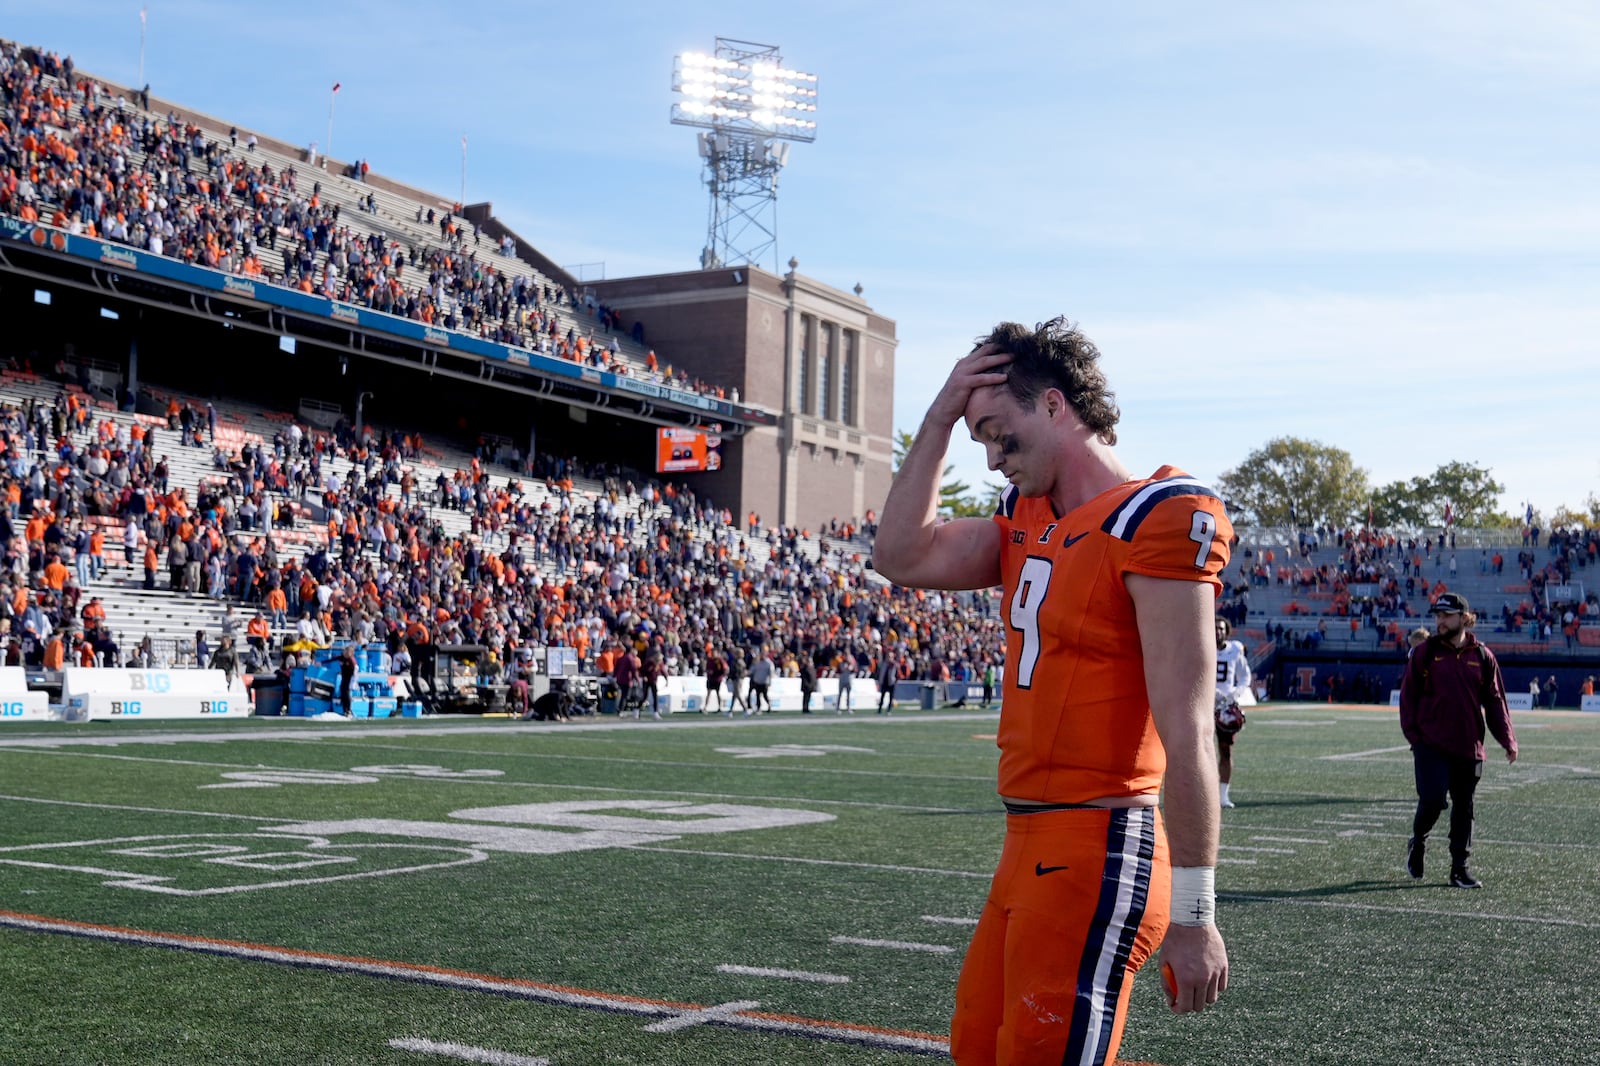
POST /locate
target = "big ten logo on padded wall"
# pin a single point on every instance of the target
(150, 682)
(10, 710)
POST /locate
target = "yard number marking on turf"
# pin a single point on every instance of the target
(358, 775)
(201, 864)
(788, 975)
(464, 1052)
(896, 945)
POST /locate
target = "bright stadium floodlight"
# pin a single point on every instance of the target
(753, 104)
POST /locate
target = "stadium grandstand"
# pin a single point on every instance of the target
(162, 267)
(191, 302)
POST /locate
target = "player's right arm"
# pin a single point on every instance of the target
(912, 547)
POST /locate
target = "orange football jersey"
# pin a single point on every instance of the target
(1075, 723)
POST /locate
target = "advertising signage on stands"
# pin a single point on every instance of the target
(110, 254)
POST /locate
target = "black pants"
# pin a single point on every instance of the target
(1438, 774)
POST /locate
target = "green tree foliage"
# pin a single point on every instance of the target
(1399, 503)
(956, 498)
(980, 504)
(1470, 492)
(1289, 481)
(1565, 517)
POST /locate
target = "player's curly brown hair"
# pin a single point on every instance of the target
(1056, 354)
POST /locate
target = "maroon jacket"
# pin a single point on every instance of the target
(1444, 696)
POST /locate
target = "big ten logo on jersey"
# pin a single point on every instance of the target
(10, 709)
(213, 706)
(1019, 536)
(150, 682)
(126, 707)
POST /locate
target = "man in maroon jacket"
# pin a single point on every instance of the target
(1451, 683)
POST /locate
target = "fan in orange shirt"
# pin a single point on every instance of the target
(1108, 581)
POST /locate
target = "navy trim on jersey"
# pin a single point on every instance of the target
(1125, 520)
(1007, 506)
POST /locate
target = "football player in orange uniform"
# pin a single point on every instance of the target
(1108, 581)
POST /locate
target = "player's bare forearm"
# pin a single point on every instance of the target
(912, 548)
(1177, 634)
(910, 512)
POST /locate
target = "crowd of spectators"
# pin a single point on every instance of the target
(1377, 580)
(634, 567)
(79, 159)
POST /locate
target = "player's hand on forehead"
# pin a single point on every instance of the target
(982, 367)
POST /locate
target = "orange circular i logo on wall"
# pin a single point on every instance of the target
(38, 236)
(58, 241)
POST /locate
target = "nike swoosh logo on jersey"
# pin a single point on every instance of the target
(1070, 541)
(1040, 869)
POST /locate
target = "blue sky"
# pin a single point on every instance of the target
(1373, 224)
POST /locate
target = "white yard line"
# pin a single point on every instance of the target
(937, 920)
(788, 975)
(464, 1052)
(761, 797)
(894, 945)
(1288, 840)
(1363, 754)
(141, 810)
(1268, 851)
(761, 765)
(345, 729)
(1475, 916)
(800, 860)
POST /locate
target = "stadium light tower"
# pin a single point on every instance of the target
(751, 106)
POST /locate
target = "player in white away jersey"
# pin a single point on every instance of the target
(1233, 692)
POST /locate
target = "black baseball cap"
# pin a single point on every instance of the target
(1450, 603)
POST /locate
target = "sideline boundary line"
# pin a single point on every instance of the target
(906, 1040)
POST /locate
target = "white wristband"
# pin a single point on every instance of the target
(1194, 895)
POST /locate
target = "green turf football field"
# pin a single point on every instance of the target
(706, 892)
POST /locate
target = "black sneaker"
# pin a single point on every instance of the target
(1414, 848)
(1460, 877)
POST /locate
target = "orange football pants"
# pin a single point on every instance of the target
(1079, 902)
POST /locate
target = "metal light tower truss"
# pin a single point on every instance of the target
(752, 106)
